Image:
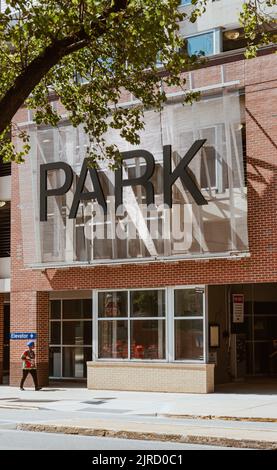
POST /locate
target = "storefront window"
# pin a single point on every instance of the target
(55, 362)
(147, 335)
(55, 310)
(112, 304)
(188, 303)
(75, 361)
(77, 308)
(189, 324)
(113, 339)
(131, 325)
(148, 339)
(189, 340)
(147, 303)
(77, 332)
(55, 332)
(70, 337)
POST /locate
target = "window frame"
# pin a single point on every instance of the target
(61, 345)
(128, 318)
(185, 318)
(217, 39)
(169, 319)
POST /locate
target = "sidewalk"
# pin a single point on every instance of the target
(229, 419)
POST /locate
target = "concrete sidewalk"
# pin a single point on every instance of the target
(246, 420)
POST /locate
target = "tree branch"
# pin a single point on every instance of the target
(31, 76)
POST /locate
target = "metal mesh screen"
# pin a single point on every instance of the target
(186, 230)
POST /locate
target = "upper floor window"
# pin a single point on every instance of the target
(202, 44)
(185, 2)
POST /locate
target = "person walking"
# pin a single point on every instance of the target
(29, 365)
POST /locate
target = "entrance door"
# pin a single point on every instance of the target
(261, 338)
(264, 342)
(255, 338)
(6, 354)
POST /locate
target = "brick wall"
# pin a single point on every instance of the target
(29, 313)
(259, 76)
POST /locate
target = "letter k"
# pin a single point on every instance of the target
(181, 172)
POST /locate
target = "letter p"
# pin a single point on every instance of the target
(45, 193)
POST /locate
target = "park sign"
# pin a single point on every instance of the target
(169, 178)
(180, 193)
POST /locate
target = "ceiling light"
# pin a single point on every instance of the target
(2, 203)
(232, 34)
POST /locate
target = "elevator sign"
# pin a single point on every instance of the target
(238, 308)
(23, 335)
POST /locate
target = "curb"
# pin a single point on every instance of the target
(223, 418)
(151, 436)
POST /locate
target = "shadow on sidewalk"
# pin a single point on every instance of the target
(251, 386)
(59, 384)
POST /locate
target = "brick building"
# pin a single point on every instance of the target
(171, 313)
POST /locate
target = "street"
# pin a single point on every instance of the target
(24, 440)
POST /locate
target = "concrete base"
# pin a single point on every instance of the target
(151, 377)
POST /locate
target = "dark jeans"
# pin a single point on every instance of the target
(33, 373)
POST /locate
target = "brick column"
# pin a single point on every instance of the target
(29, 313)
(42, 343)
(1, 336)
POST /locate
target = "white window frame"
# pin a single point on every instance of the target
(172, 320)
(128, 318)
(217, 39)
(169, 324)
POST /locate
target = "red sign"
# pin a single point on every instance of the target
(238, 308)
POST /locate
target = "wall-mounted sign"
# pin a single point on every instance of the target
(144, 180)
(238, 308)
(23, 336)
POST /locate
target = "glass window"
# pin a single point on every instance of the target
(148, 339)
(77, 308)
(185, 2)
(189, 340)
(113, 304)
(75, 361)
(55, 332)
(66, 333)
(203, 44)
(55, 369)
(147, 303)
(55, 309)
(87, 308)
(188, 302)
(72, 308)
(77, 332)
(113, 339)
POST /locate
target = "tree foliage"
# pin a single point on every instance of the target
(86, 52)
(258, 18)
